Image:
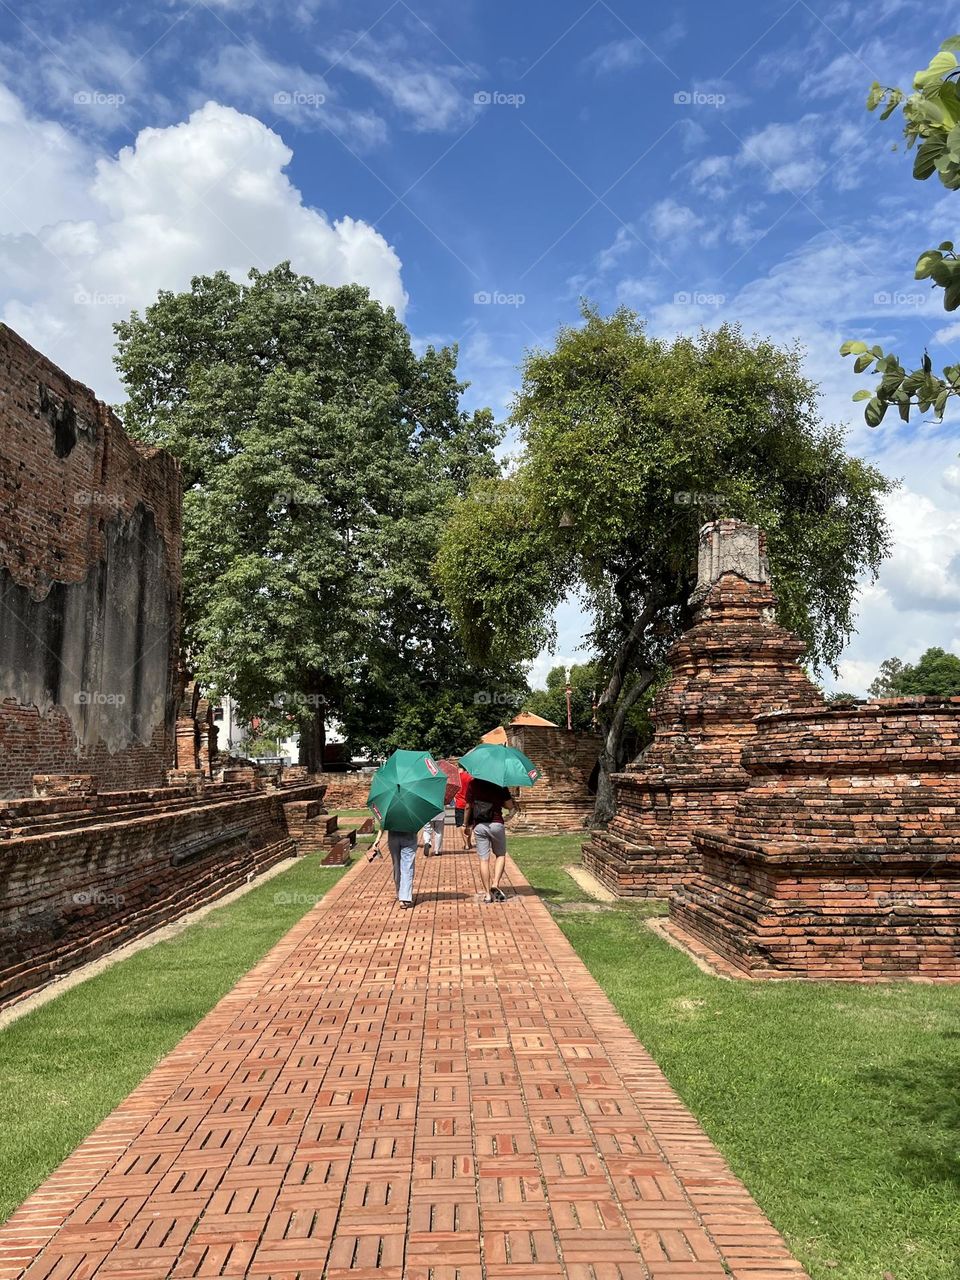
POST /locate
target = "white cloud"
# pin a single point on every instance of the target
(669, 220)
(787, 155)
(207, 194)
(434, 98)
(42, 166)
(617, 55)
(248, 76)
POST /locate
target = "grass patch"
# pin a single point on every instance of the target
(68, 1064)
(838, 1105)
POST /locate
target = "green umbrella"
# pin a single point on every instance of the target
(494, 762)
(407, 791)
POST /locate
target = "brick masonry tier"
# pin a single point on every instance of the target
(80, 884)
(842, 857)
(733, 662)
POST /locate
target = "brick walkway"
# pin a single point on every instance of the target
(436, 1094)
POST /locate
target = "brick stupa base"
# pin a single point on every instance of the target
(842, 859)
(733, 662)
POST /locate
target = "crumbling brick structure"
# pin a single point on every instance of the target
(89, 585)
(842, 858)
(562, 799)
(733, 662)
(94, 848)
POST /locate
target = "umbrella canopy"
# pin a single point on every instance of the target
(407, 791)
(501, 764)
(452, 770)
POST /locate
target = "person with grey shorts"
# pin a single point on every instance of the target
(484, 819)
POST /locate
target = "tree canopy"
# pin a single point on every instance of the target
(629, 444)
(936, 672)
(319, 455)
(931, 124)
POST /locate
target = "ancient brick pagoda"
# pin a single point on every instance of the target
(842, 857)
(734, 662)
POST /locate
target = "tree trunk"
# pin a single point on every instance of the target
(313, 740)
(611, 757)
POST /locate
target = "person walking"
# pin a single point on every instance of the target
(433, 835)
(486, 809)
(460, 799)
(403, 851)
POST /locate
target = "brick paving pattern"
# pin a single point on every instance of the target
(436, 1094)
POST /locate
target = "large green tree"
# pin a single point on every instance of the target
(630, 444)
(931, 117)
(319, 454)
(936, 672)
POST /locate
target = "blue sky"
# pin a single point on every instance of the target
(482, 167)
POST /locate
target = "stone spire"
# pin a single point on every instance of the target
(729, 546)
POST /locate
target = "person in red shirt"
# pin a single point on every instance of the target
(484, 818)
(460, 799)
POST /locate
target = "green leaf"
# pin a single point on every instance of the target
(852, 348)
(926, 262)
(952, 43)
(947, 245)
(925, 161)
(874, 412)
(951, 298)
(862, 362)
(941, 64)
(862, 394)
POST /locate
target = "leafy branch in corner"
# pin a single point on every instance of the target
(932, 125)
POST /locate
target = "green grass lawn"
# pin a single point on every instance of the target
(838, 1105)
(68, 1064)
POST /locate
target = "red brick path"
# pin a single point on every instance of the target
(436, 1094)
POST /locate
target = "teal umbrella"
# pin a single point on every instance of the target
(407, 791)
(494, 762)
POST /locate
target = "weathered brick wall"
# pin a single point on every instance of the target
(733, 662)
(561, 800)
(842, 857)
(79, 884)
(345, 790)
(89, 584)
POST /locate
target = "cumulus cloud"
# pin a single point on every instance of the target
(207, 194)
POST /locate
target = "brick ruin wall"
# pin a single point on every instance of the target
(562, 799)
(345, 790)
(842, 857)
(106, 829)
(80, 876)
(89, 585)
